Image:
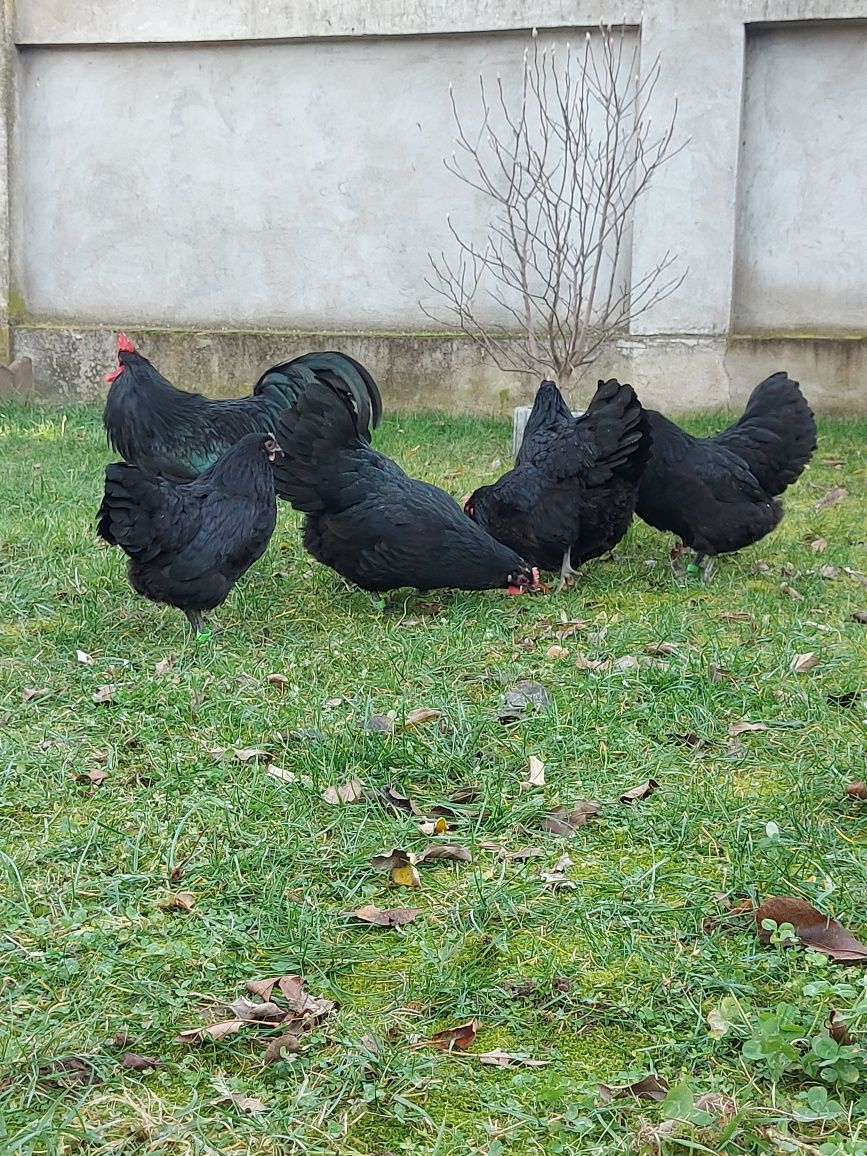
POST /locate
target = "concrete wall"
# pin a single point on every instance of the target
(253, 171)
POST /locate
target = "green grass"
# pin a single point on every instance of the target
(88, 950)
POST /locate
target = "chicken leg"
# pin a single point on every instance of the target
(567, 574)
(197, 621)
(709, 561)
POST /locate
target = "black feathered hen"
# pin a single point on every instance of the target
(177, 434)
(572, 492)
(718, 494)
(372, 523)
(189, 544)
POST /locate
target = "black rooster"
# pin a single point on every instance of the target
(572, 492)
(152, 424)
(372, 523)
(718, 494)
(189, 544)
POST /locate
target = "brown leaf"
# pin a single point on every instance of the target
(300, 1001)
(281, 773)
(552, 652)
(501, 1059)
(165, 664)
(31, 693)
(717, 1104)
(860, 616)
(459, 1038)
(429, 827)
(813, 929)
(421, 715)
(829, 572)
(566, 820)
(245, 1103)
(833, 498)
(661, 648)
(70, 1070)
(582, 662)
(801, 663)
(791, 591)
(860, 578)
(252, 1012)
(179, 900)
(140, 1063)
(527, 693)
(647, 1088)
(818, 545)
(249, 754)
(288, 1042)
(95, 778)
(105, 694)
(349, 792)
(393, 800)
(387, 917)
(635, 794)
(388, 860)
(84, 657)
(519, 856)
(535, 774)
(262, 987)
(379, 724)
(278, 680)
(452, 852)
(856, 790)
(626, 662)
(838, 1029)
(740, 728)
(210, 1031)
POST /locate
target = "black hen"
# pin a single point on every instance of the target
(189, 544)
(718, 494)
(152, 424)
(372, 523)
(572, 492)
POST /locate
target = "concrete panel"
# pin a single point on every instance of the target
(292, 185)
(429, 372)
(802, 215)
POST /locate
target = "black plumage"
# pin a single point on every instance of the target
(177, 434)
(572, 492)
(368, 520)
(188, 544)
(718, 494)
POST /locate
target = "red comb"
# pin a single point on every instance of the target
(124, 345)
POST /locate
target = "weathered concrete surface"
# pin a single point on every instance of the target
(448, 373)
(802, 220)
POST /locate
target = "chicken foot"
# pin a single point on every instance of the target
(567, 574)
(709, 561)
(197, 621)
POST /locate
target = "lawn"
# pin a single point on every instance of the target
(148, 872)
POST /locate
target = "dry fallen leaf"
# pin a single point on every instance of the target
(860, 578)
(248, 754)
(635, 794)
(430, 827)
(648, 1088)
(105, 694)
(552, 652)
(858, 616)
(833, 498)
(661, 648)
(385, 917)
(378, 724)
(829, 572)
(350, 792)
(519, 856)
(393, 800)
(740, 728)
(566, 820)
(29, 693)
(278, 680)
(813, 929)
(421, 715)
(69, 1070)
(84, 657)
(582, 662)
(245, 1103)
(96, 777)
(501, 1059)
(801, 663)
(557, 878)
(406, 876)
(459, 1038)
(818, 545)
(527, 693)
(179, 900)
(856, 790)
(626, 662)
(140, 1063)
(287, 1042)
(210, 1031)
(165, 664)
(281, 773)
(452, 852)
(388, 860)
(535, 774)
